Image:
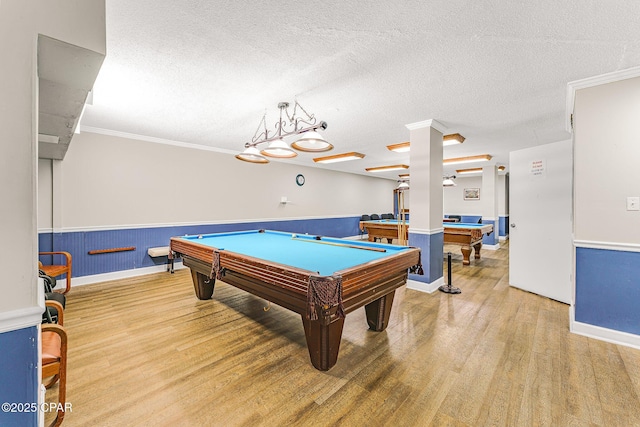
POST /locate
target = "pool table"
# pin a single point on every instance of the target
(320, 278)
(464, 234)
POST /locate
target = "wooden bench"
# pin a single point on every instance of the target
(162, 251)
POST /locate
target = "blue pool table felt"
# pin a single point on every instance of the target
(301, 252)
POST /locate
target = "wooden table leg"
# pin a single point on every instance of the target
(466, 252)
(477, 247)
(379, 312)
(202, 285)
(323, 338)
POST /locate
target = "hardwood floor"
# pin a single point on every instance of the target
(145, 351)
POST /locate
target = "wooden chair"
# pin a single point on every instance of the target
(54, 358)
(58, 270)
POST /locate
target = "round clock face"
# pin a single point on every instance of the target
(300, 179)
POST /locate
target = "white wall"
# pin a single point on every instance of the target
(454, 202)
(77, 22)
(110, 182)
(502, 195)
(606, 162)
(45, 194)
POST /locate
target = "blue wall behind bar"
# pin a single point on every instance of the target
(608, 289)
(81, 242)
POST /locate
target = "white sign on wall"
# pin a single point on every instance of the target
(537, 168)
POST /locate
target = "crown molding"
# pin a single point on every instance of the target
(427, 123)
(601, 79)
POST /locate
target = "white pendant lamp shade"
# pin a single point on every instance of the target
(312, 141)
(252, 155)
(279, 149)
(448, 181)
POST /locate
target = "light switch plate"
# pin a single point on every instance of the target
(633, 203)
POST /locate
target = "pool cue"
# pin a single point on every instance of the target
(448, 288)
(346, 245)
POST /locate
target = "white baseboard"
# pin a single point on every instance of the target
(491, 247)
(603, 334)
(124, 274)
(503, 238)
(425, 287)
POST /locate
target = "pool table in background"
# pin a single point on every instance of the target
(320, 278)
(466, 235)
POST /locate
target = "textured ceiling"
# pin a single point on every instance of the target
(204, 72)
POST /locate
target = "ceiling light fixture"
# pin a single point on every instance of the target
(475, 170)
(278, 149)
(289, 124)
(402, 147)
(387, 168)
(448, 181)
(468, 171)
(252, 155)
(452, 139)
(469, 159)
(339, 157)
(402, 185)
(403, 182)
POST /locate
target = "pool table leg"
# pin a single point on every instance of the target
(379, 311)
(323, 338)
(477, 247)
(202, 285)
(466, 253)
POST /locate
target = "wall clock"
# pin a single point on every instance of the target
(300, 179)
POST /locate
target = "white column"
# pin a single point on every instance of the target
(426, 207)
(489, 199)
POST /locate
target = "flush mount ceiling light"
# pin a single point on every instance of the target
(468, 171)
(303, 124)
(475, 170)
(339, 157)
(387, 168)
(403, 147)
(452, 139)
(468, 159)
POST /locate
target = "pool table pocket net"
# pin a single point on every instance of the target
(324, 292)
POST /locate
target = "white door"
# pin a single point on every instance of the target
(540, 220)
